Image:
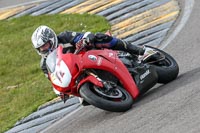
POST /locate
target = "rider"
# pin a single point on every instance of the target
(45, 41)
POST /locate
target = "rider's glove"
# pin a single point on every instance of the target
(81, 44)
(85, 42)
(88, 43)
(89, 39)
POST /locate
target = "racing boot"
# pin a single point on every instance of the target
(151, 55)
(128, 47)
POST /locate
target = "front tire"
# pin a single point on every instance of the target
(98, 99)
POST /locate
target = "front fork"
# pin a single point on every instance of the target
(106, 84)
(109, 88)
(93, 78)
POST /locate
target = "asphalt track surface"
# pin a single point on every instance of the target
(170, 108)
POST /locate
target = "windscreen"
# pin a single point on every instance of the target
(51, 61)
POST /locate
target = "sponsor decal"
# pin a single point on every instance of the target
(58, 77)
(110, 54)
(99, 61)
(62, 74)
(92, 57)
(144, 74)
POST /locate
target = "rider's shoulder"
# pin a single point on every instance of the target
(67, 33)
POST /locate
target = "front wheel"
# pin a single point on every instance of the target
(116, 100)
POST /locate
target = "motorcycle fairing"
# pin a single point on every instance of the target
(61, 76)
(95, 59)
(107, 60)
(145, 77)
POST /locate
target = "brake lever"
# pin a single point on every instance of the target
(81, 48)
(78, 50)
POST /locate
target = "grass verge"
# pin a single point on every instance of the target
(23, 87)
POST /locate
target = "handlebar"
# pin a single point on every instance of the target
(80, 45)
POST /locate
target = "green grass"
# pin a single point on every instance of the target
(23, 87)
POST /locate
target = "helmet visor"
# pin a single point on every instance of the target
(44, 49)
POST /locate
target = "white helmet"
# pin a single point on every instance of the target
(41, 36)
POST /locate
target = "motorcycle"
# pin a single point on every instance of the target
(107, 79)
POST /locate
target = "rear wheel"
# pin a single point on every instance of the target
(167, 68)
(115, 100)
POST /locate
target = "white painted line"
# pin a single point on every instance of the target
(189, 4)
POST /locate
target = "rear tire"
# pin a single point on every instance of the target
(168, 72)
(121, 104)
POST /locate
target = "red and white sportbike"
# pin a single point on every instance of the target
(110, 80)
